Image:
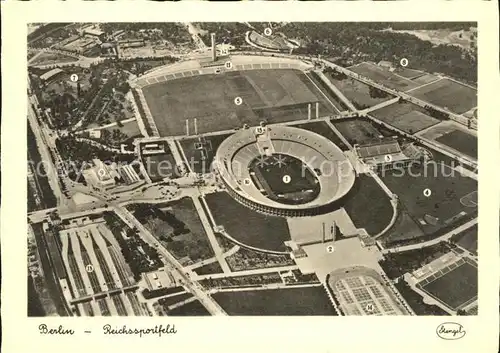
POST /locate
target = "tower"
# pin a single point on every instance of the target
(214, 54)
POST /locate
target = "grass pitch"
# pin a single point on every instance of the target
(322, 128)
(460, 141)
(405, 116)
(357, 92)
(359, 131)
(285, 179)
(456, 287)
(211, 99)
(200, 152)
(446, 93)
(384, 76)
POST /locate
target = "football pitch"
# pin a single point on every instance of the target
(460, 141)
(449, 94)
(383, 76)
(274, 95)
(456, 287)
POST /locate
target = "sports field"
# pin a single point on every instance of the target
(359, 131)
(460, 141)
(368, 205)
(449, 94)
(274, 95)
(160, 166)
(248, 226)
(468, 239)
(383, 76)
(425, 79)
(359, 93)
(456, 287)
(447, 188)
(285, 179)
(322, 128)
(408, 73)
(200, 152)
(405, 116)
(310, 301)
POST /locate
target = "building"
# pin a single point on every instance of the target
(152, 148)
(94, 32)
(101, 175)
(159, 279)
(246, 145)
(49, 75)
(388, 154)
(385, 64)
(131, 43)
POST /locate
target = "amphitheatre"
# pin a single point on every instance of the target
(333, 172)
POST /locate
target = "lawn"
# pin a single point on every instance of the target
(357, 92)
(310, 301)
(405, 116)
(160, 166)
(456, 287)
(208, 269)
(359, 131)
(248, 226)
(245, 259)
(48, 58)
(460, 141)
(200, 152)
(468, 239)
(404, 228)
(368, 205)
(416, 302)
(410, 74)
(194, 308)
(447, 188)
(425, 79)
(322, 128)
(334, 99)
(448, 94)
(179, 228)
(211, 99)
(383, 76)
(129, 128)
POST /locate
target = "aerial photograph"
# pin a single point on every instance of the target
(252, 169)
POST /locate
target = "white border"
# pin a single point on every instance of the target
(349, 334)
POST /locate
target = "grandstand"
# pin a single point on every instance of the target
(324, 160)
(190, 68)
(361, 291)
(387, 154)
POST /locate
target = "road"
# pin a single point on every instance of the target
(339, 94)
(433, 241)
(43, 148)
(196, 36)
(204, 298)
(219, 254)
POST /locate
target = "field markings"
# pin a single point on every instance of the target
(426, 84)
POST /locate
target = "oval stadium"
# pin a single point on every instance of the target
(284, 171)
